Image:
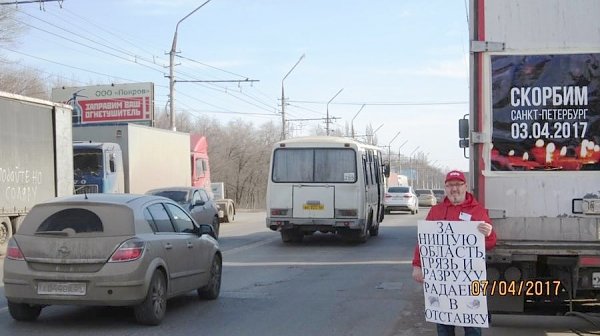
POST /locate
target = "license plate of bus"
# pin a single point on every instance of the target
(596, 279)
(314, 207)
(61, 288)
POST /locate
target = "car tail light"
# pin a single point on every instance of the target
(128, 251)
(279, 212)
(407, 196)
(388, 195)
(589, 261)
(13, 251)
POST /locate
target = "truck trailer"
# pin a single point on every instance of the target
(129, 158)
(532, 138)
(36, 157)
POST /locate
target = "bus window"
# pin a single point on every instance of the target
(320, 165)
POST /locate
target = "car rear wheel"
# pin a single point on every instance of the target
(154, 307)
(24, 311)
(213, 288)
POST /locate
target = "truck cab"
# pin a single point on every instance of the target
(97, 167)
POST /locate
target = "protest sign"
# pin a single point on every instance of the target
(453, 262)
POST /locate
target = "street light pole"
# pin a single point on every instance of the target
(171, 72)
(327, 120)
(373, 134)
(352, 122)
(390, 148)
(399, 157)
(412, 169)
(283, 126)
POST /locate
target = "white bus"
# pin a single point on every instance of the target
(325, 184)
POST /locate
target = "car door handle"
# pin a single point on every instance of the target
(190, 245)
(168, 246)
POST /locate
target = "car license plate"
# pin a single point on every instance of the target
(314, 207)
(61, 288)
(596, 279)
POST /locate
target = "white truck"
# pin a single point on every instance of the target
(129, 158)
(532, 139)
(36, 157)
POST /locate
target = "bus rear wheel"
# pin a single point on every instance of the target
(291, 236)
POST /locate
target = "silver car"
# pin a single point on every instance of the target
(426, 197)
(109, 250)
(194, 200)
(401, 198)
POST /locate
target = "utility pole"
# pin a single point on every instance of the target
(327, 120)
(283, 125)
(171, 73)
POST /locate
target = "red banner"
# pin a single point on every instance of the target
(106, 110)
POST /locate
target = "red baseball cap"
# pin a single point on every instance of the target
(456, 175)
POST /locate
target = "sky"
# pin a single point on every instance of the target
(406, 61)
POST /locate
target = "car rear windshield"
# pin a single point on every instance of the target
(439, 192)
(79, 220)
(82, 219)
(420, 192)
(398, 189)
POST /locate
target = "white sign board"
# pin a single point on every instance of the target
(453, 261)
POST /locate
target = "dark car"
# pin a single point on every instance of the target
(109, 250)
(196, 201)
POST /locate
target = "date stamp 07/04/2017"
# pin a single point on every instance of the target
(515, 288)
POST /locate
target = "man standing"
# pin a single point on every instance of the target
(458, 205)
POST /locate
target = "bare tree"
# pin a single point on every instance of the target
(10, 28)
(239, 154)
(15, 78)
(26, 82)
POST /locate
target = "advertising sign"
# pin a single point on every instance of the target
(546, 112)
(454, 273)
(133, 102)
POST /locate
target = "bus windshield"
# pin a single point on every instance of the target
(314, 165)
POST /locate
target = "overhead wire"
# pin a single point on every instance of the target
(206, 65)
(88, 46)
(125, 79)
(381, 103)
(135, 57)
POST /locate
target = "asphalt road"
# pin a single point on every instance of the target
(319, 287)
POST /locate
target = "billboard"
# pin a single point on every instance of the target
(546, 112)
(132, 102)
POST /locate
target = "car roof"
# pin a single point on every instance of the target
(172, 189)
(103, 198)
